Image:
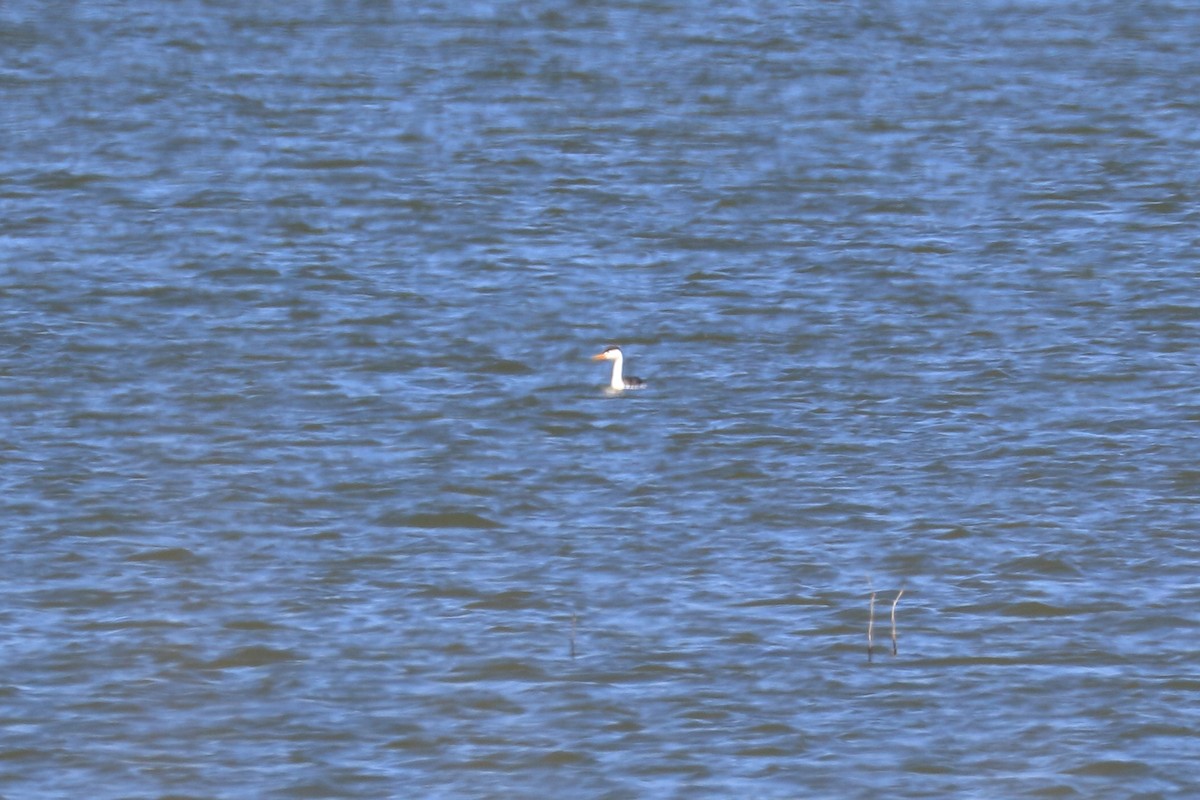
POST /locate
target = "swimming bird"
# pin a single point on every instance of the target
(619, 381)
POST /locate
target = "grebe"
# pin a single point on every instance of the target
(619, 382)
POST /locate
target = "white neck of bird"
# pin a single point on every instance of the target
(618, 380)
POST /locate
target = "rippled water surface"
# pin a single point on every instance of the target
(309, 488)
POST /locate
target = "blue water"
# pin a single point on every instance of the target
(310, 488)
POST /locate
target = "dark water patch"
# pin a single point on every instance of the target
(499, 669)
(253, 625)
(1111, 768)
(436, 520)
(212, 198)
(251, 657)
(176, 555)
(781, 601)
(509, 600)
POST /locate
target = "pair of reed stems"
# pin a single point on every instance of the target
(871, 625)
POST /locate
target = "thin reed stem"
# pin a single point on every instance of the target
(899, 594)
(871, 630)
(572, 634)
